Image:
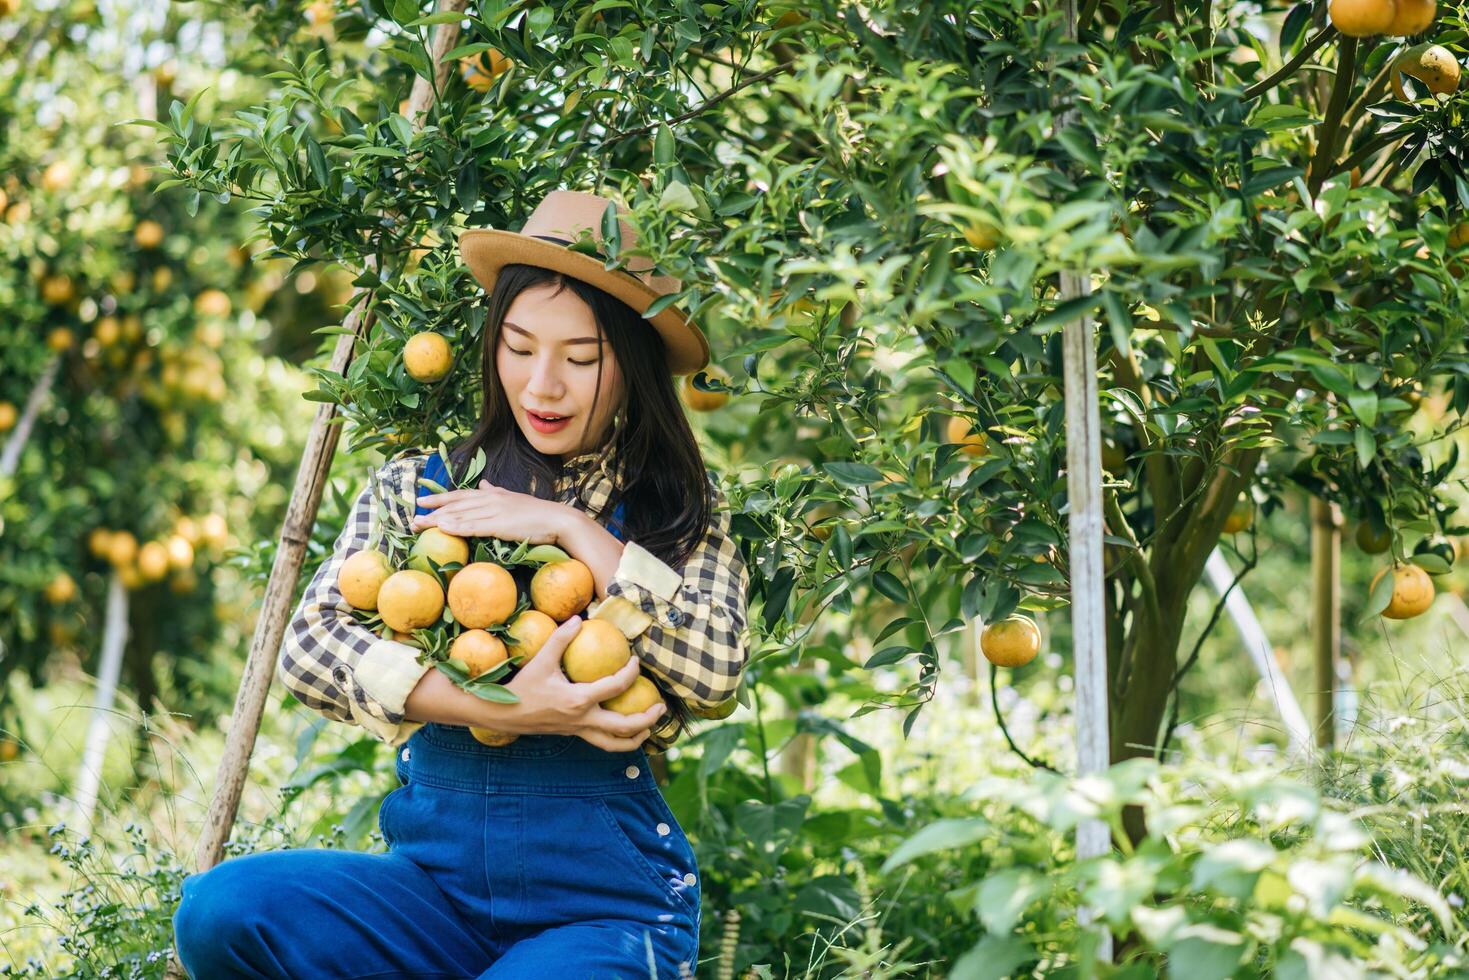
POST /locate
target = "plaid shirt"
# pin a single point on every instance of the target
(686, 626)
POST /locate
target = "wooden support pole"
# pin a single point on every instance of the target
(1084, 501)
(1326, 522)
(311, 475)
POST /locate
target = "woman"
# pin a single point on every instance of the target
(556, 851)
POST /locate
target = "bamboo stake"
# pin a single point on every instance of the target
(276, 606)
(1326, 524)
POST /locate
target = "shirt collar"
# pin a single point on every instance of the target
(592, 459)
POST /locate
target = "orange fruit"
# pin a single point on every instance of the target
(180, 552)
(1240, 517)
(8, 416)
(213, 530)
(597, 649)
(1411, 17)
(1432, 64)
(107, 331)
(1412, 591)
(212, 302)
(148, 233)
(478, 649)
(982, 235)
(185, 528)
(61, 588)
(153, 561)
(1371, 541)
(1011, 642)
(641, 696)
(972, 443)
(1362, 18)
(562, 589)
(480, 71)
(99, 542)
(361, 577)
(1459, 235)
(410, 600)
(57, 290)
(705, 401)
(530, 631)
(488, 736)
(481, 594)
(57, 176)
(427, 357)
(59, 339)
(442, 547)
(122, 548)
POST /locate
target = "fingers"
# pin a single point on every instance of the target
(612, 743)
(613, 684)
(625, 726)
(548, 659)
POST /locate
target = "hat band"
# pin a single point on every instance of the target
(597, 253)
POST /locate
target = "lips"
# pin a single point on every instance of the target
(547, 423)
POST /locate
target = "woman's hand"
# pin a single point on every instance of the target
(489, 511)
(552, 704)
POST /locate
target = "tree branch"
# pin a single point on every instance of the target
(1289, 68)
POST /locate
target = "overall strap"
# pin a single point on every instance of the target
(433, 469)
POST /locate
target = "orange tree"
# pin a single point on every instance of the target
(871, 208)
(136, 305)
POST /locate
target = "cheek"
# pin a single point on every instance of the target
(506, 368)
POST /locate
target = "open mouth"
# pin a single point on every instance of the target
(547, 423)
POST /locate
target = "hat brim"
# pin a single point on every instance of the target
(486, 250)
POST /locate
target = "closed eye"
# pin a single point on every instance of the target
(526, 353)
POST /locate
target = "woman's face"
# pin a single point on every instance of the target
(547, 359)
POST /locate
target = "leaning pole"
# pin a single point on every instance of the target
(311, 476)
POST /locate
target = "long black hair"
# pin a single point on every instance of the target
(655, 462)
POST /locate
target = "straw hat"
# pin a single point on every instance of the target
(558, 221)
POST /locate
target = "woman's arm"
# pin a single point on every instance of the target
(332, 663)
(686, 624)
(549, 702)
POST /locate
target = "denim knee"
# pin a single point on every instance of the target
(212, 921)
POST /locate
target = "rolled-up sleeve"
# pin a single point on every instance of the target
(330, 662)
(686, 625)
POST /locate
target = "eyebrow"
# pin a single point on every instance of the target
(575, 340)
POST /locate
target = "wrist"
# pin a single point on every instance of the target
(569, 527)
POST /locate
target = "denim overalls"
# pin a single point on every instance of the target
(548, 857)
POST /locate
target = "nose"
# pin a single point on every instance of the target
(544, 384)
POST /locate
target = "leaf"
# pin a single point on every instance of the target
(320, 169)
(444, 17)
(853, 474)
(467, 185)
(1005, 895)
(1366, 446)
(942, 835)
(1283, 116)
(1380, 597)
(994, 958)
(887, 656)
(1364, 406)
(889, 585)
